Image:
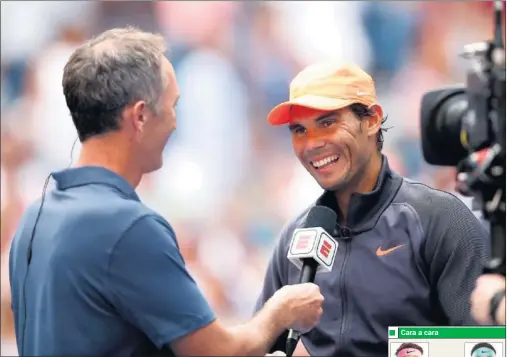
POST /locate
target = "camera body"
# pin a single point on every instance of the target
(464, 126)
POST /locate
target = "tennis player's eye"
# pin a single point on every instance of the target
(298, 129)
(327, 123)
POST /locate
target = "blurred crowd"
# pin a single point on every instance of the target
(230, 181)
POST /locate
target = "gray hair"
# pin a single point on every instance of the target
(109, 72)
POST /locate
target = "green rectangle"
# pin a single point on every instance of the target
(392, 332)
(452, 332)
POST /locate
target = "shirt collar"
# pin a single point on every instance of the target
(80, 176)
(365, 208)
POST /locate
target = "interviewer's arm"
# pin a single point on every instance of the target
(251, 339)
(297, 306)
(151, 288)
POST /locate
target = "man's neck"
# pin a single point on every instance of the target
(112, 155)
(364, 184)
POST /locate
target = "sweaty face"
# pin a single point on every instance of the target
(159, 126)
(335, 147)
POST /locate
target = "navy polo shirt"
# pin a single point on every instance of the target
(106, 276)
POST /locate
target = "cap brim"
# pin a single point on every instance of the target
(280, 114)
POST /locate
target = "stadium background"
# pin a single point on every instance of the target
(230, 181)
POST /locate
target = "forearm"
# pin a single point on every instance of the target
(256, 337)
(296, 306)
(251, 339)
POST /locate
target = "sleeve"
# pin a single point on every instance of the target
(456, 253)
(275, 278)
(150, 286)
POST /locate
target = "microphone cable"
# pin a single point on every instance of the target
(30, 247)
(29, 259)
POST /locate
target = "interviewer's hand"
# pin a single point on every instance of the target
(485, 287)
(299, 306)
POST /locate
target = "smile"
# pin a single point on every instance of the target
(325, 161)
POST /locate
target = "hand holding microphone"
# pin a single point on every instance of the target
(300, 305)
(312, 249)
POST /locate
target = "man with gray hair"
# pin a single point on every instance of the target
(93, 271)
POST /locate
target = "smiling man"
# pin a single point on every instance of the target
(408, 254)
(95, 272)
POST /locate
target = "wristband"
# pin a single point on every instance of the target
(493, 304)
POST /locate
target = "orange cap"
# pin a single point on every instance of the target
(328, 87)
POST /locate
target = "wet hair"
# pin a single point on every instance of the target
(361, 111)
(409, 345)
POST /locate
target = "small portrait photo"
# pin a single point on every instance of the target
(410, 349)
(484, 349)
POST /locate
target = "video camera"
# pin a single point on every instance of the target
(464, 126)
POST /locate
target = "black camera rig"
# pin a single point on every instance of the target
(464, 126)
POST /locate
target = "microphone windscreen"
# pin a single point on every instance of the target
(321, 216)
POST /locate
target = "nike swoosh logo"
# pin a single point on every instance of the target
(381, 252)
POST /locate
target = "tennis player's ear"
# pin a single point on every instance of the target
(375, 121)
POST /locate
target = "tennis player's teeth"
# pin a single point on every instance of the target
(328, 160)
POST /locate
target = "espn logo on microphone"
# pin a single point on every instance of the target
(313, 243)
(325, 249)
